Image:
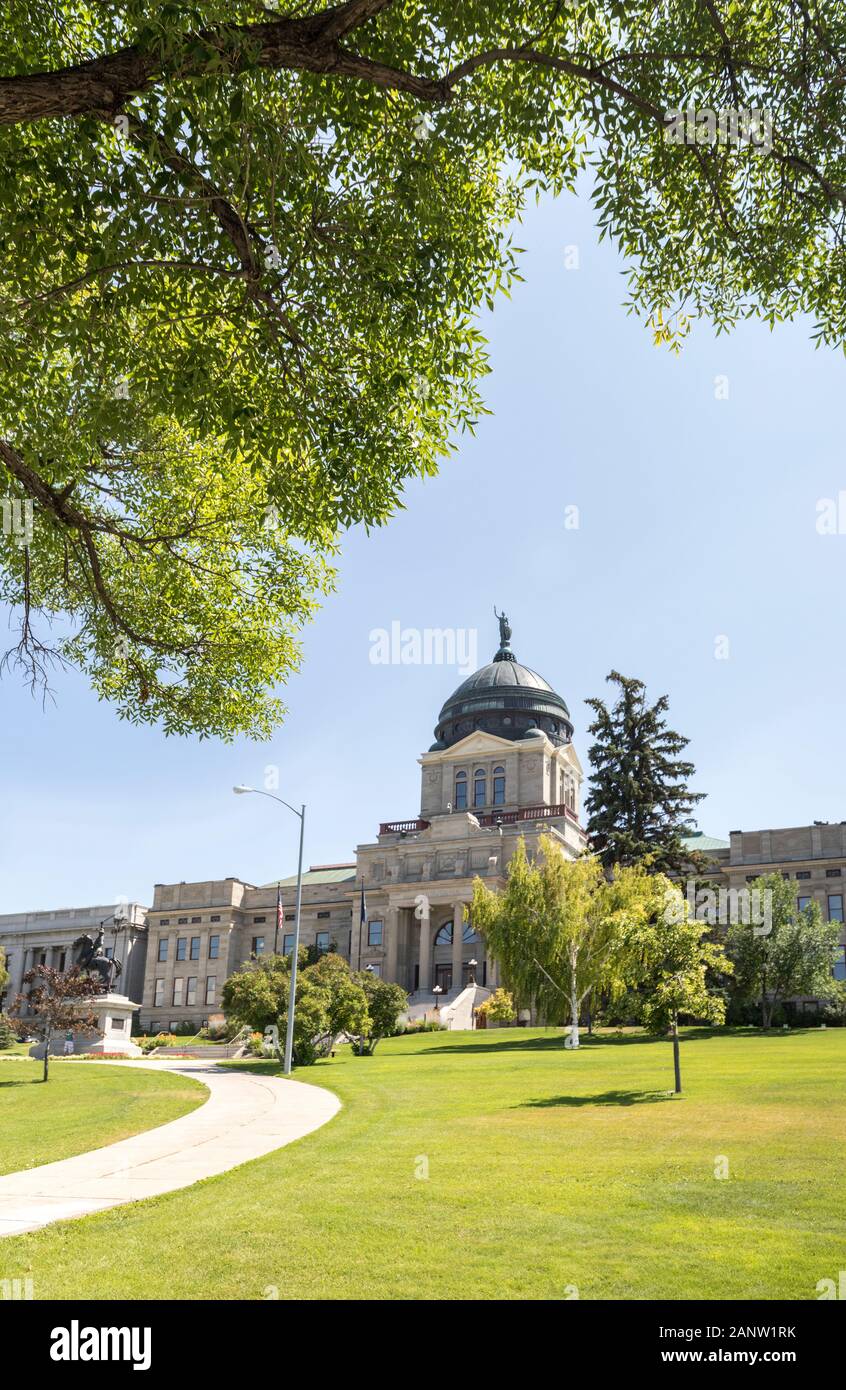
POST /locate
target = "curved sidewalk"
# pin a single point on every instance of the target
(243, 1118)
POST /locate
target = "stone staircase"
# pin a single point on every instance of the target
(454, 1009)
(219, 1051)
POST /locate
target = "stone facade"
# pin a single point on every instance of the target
(502, 766)
(46, 938)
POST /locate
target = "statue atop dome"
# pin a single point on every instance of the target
(504, 628)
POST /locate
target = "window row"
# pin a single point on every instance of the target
(835, 905)
(185, 991)
(480, 788)
(259, 944)
(186, 952)
(183, 921)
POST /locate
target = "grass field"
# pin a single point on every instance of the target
(547, 1171)
(82, 1107)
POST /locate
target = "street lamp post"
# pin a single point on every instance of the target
(292, 997)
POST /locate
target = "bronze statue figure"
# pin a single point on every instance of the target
(504, 628)
(91, 957)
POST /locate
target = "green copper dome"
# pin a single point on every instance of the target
(504, 698)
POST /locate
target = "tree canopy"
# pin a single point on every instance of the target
(563, 929)
(793, 955)
(242, 253)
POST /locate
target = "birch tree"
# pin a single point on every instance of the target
(562, 929)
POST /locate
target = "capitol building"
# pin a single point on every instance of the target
(502, 765)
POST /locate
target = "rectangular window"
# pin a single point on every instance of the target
(191, 991)
(181, 944)
(182, 921)
(835, 907)
(178, 988)
(214, 947)
(803, 900)
(833, 873)
(214, 919)
(259, 919)
(322, 942)
(374, 933)
(804, 873)
(211, 989)
(258, 945)
(499, 791)
(288, 943)
(195, 948)
(324, 914)
(196, 919)
(163, 948)
(158, 998)
(165, 922)
(461, 796)
(840, 963)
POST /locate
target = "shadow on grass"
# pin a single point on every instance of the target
(604, 1098)
(555, 1042)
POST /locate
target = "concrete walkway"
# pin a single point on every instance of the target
(244, 1117)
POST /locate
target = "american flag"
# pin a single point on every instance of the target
(280, 919)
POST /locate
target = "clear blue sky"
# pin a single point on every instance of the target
(697, 520)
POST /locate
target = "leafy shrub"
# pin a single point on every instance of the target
(148, 1044)
(7, 1036)
(498, 1007)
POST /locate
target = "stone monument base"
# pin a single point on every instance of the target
(111, 1032)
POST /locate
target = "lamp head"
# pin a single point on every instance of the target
(240, 790)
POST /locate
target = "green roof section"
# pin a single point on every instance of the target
(699, 840)
(318, 873)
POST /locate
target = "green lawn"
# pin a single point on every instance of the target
(546, 1170)
(81, 1107)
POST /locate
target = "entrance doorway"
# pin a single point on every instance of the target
(443, 977)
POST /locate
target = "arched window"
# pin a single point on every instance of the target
(480, 787)
(499, 786)
(461, 791)
(444, 936)
(469, 934)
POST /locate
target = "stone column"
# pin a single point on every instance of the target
(425, 981)
(392, 926)
(457, 944)
(16, 982)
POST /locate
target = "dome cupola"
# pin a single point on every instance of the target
(506, 699)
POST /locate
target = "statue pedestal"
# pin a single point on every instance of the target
(111, 1032)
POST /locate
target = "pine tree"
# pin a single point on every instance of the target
(7, 1037)
(639, 803)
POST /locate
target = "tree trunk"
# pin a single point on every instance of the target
(676, 1055)
(48, 1038)
(574, 1015)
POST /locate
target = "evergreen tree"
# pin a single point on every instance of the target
(7, 1037)
(639, 804)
